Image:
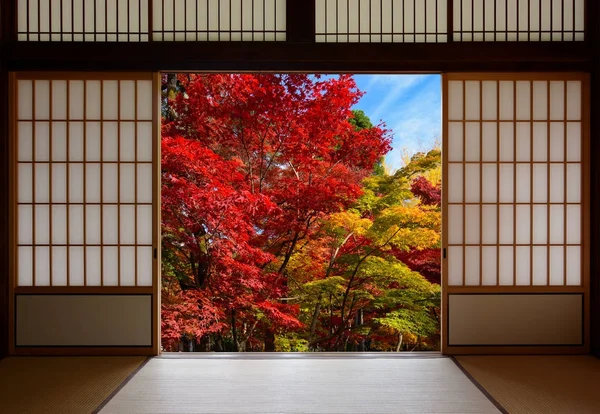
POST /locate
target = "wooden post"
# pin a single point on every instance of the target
(592, 35)
(7, 33)
(300, 21)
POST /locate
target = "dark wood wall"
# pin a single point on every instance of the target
(593, 23)
(300, 53)
(6, 30)
(3, 210)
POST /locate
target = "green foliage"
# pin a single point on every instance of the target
(360, 120)
(283, 244)
(361, 288)
(421, 162)
(290, 344)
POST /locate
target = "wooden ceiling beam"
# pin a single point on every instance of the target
(306, 57)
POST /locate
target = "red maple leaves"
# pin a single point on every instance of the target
(249, 164)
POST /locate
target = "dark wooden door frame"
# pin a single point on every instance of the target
(593, 33)
(300, 53)
(7, 31)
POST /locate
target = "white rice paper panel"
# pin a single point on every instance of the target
(59, 224)
(523, 224)
(110, 183)
(507, 107)
(110, 142)
(25, 183)
(557, 265)
(472, 226)
(540, 265)
(573, 224)
(506, 218)
(42, 266)
(574, 142)
(76, 224)
(489, 222)
(489, 141)
(127, 183)
(42, 99)
(127, 265)
(519, 20)
(214, 20)
(93, 264)
(455, 141)
(523, 265)
(144, 226)
(455, 224)
(25, 141)
(523, 100)
(455, 265)
(557, 224)
(93, 222)
(83, 20)
(523, 141)
(540, 224)
(59, 141)
(472, 141)
(523, 179)
(574, 100)
(506, 266)
(42, 141)
(144, 183)
(42, 183)
(25, 269)
(127, 224)
(489, 260)
(490, 100)
(473, 100)
(42, 224)
(490, 183)
(144, 265)
(110, 223)
(144, 141)
(92, 141)
(574, 183)
(455, 100)
(110, 266)
(59, 265)
(76, 266)
(25, 224)
(573, 265)
(472, 183)
(472, 259)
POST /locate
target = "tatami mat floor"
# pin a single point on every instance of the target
(539, 384)
(300, 385)
(61, 385)
(297, 384)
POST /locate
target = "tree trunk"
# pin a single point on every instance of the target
(269, 341)
(204, 344)
(399, 343)
(219, 344)
(234, 332)
(288, 254)
(313, 322)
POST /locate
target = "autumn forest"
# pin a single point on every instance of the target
(283, 228)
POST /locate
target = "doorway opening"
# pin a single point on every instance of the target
(301, 213)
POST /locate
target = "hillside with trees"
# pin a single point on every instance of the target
(283, 230)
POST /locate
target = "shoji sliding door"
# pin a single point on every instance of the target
(85, 153)
(515, 231)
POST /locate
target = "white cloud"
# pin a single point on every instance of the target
(396, 86)
(410, 105)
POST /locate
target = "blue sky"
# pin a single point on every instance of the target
(410, 106)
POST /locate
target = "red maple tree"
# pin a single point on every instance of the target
(250, 163)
